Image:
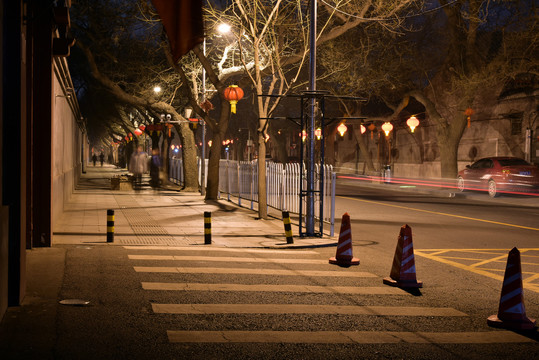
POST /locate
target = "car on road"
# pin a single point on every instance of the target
(499, 174)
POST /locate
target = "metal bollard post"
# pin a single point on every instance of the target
(110, 225)
(287, 228)
(207, 227)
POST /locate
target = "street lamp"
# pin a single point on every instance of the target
(223, 28)
(157, 89)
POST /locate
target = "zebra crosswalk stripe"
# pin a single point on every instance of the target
(246, 271)
(227, 259)
(219, 249)
(369, 290)
(302, 309)
(346, 337)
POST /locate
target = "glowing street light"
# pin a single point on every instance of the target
(223, 28)
(157, 89)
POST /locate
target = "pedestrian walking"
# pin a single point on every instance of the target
(101, 158)
(94, 159)
(155, 167)
(138, 165)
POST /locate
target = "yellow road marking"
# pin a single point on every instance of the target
(474, 268)
(523, 273)
(530, 278)
(482, 251)
(441, 213)
(439, 252)
(489, 260)
(302, 309)
(347, 337)
(459, 258)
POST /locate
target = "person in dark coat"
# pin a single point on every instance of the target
(155, 166)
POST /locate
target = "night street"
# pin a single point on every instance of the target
(239, 300)
(231, 179)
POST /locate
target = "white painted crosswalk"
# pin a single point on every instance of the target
(228, 259)
(249, 271)
(346, 337)
(369, 290)
(146, 262)
(302, 309)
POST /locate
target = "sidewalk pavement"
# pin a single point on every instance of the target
(164, 217)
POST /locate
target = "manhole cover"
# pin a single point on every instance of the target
(75, 302)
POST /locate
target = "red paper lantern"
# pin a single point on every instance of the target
(371, 128)
(387, 127)
(342, 129)
(412, 122)
(469, 112)
(142, 127)
(138, 132)
(233, 94)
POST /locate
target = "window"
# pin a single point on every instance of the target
(516, 123)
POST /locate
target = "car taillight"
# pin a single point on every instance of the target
(506, 171)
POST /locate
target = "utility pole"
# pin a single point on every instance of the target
(309, 221)
(203, 152)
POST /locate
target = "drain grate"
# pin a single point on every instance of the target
(146, 229)
(151, 241)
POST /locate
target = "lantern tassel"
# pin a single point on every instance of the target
(233, 106)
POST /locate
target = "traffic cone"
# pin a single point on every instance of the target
(344, 247)
(511, 313)
(403, 269)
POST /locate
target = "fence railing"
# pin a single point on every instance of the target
(239, 179)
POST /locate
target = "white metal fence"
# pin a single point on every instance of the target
(239, 180)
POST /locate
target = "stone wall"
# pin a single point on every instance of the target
(66, 145)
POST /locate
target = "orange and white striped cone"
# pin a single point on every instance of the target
(403, 269)
(344, 255)
(511, 313)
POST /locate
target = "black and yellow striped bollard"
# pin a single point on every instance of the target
(110, 225)
(288, 228)
(207, 227)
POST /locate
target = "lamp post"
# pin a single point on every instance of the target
(203, 152)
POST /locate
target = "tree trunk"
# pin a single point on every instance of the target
(262, 199)
(212, 176)
(448, 139)
(360, 138)
(189, 157)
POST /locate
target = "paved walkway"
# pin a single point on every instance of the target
(163, 217)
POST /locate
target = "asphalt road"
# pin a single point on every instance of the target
(243, 303)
